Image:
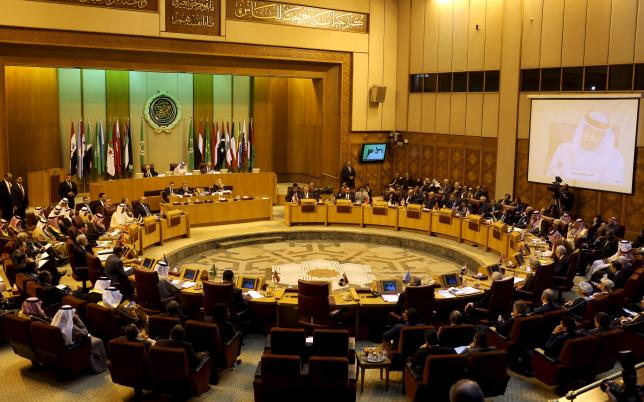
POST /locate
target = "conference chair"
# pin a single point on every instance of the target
(49, 344)
(9, 270)
(169, 371)
(564, 283)
(215, 293)
(411, 338)
(94, 268)
(440, 373)
(192, 305)
(159, 326)
(420, 298)
(173, 166)
(151, 167)
(146, 283)
(609, 344)
(78, 304)
(542, 281)
(489, 370)
(128, 364)
(21, 280)
(499, 301)
(573, 363)
(101, 322)
(526, 334)
(278, 378)
(313, 306)
(18, 332)
(334, 343)
(80, 274)
(631, 287)
(550, 320)
(455, 335)
(205, 336)
(329, 378)
(634, 340)
(595, 305)
(287, 341)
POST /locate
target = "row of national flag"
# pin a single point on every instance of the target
(94, 151)
(226, 145)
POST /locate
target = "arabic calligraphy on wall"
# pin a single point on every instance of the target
(298, 15)
(201, 17)
(137, 5)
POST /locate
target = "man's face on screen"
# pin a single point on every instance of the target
(591, 138)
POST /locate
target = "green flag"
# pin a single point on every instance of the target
(142, 145)
(207, 152)
(191, 149)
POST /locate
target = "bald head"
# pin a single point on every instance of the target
(466, 391)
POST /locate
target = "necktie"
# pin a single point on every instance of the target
(22, 190)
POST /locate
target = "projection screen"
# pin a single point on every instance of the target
(589, 143)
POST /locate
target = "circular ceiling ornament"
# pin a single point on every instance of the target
(163, 112)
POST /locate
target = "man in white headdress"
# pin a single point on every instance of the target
(166, 288)
(181, 169)
(95, 295)
(120, 217)
(591, 155)
(85, 214)
(623, 254)
(74, 330)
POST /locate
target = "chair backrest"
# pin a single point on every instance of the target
(552, 318)
(128, 362)
(328, 374)
(488, 366)
(160, 326)
(35, 290)
(595, 305)
(101, 321)
(9, 270)
(542, 281)
(331, 342)
(94, 267)
(69, 247)
(214, 293)
(288, 341)
(79, 304)
(411, 338)
(609, 343)
(500, 300)
(572, 268)
(526, 331)
(313, 302)
(441, 372)
(578, 352)
(420, 298)
(280, 371)
(203, 336)
(147, 288)
(167, 365)
(631, 287)
(21, 280)
(151, 168)
(455, 335)
(17, 329)
(47, 339)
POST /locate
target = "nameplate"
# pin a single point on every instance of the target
(473, 226)
(134, 5)
(199, 17)
(379, 210)
(412, 214)
(496, 233)
(307, 207)
(444, 219)
(343, 209)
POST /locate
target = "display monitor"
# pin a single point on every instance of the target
(587, 142)
(373, 152)
(148, 263)
(189, 274)
(450, 280)
(249, 283)
(389, 286)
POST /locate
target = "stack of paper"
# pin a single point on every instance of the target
(255, 294)
(391, 298)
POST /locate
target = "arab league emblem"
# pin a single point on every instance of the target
(162, 112)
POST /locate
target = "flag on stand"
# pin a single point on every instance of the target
(251, 145)
(191, 151)
(233, 148)
(73, 152)
(97, 149)
(88, 160)
(229, 154)
(128, 163)
(217, 158)
(81, 148)
(110, 165)
(199, 154)
(117, 148)
(207, 155)
(142, 145)
(240, 148)
(101, 150)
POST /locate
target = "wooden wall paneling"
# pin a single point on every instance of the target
(416, 42)
(427, 161)
(522, 189)
(574, 33)
(117, 94)
(428, 114)
(531, 36)
(371, 175)
(477, 29)
(541, 195)
(586, 203)
(430, 36)
(441, 156)
(445, 35)
(264, 115)
(402, 67)
(457, 159)
(331, 93)
(623, 23)
(474, 114)
(414, 166)
(523, 125)
(414, 112)
(32, 119)
(457, 114)
(472, 162)
(553, 14)
(610, 204)
(443, 104)
(360, 92)
(390, 57)
(401, 159)
(386, 172)
(639, 35)
(597, 32)
(493, 33)
(460, 35)
(304, 128)
(376, 66)
(489, 165)
(355, 162)
(490, 120)
(202, 95)
(634, 209)
(4, 140)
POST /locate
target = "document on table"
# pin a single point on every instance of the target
(391, 298)
(518, 280)
(444, 293)
(255, 294)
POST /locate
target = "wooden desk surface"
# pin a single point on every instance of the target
(217, 213)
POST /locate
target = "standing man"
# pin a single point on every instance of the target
(348, 175)
(67, 189)
(6, 203)
(19, 198)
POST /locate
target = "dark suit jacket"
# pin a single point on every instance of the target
(345, 175)
(64, 188)
(96, 206)
(165, 195)
(546, 308)
(505, 327)
(561, 266)
(6, 203)
(344, 196)
(309, 195)
(419, 357)
(141, 210)
(152, 173)
(555, 343)
(115, 271)
(19, 199)
(193, 358)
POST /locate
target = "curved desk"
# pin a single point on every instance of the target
(218, 213)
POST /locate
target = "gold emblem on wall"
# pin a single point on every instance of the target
(162, 112)
(137, 5)
(269, 12)
(201, 17)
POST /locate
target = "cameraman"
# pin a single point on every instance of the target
(566, 198)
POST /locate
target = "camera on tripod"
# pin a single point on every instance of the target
(555, 186)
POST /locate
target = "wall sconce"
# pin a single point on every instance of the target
(396, 137)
